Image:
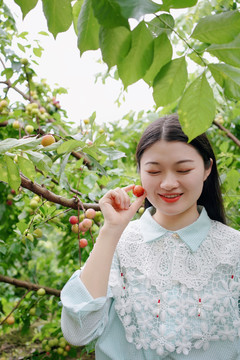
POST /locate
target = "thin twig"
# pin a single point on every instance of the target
(15, 307)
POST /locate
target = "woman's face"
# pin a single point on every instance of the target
(172, 173)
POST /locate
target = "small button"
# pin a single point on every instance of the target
(175, 235)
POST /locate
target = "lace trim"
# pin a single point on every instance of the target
(177, 300)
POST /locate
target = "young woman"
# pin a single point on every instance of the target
(165, 286)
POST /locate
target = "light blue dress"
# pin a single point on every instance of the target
(171, 295)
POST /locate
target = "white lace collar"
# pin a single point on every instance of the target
(192, 235)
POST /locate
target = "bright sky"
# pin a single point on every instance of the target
(61, 64)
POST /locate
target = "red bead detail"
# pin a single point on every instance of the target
(198, 314)
(159, 301)
(200, 300)
(232, 276)
(124, 288)
(121, 274)
(157, 316)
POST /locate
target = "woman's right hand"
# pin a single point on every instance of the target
(117, 208)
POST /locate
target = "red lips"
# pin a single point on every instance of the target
(170, 198)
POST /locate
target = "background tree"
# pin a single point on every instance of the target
(46, 190)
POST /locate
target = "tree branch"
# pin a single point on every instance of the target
(227, 132)
(52, 197)
(29, 285)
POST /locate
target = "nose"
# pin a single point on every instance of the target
(169, 181)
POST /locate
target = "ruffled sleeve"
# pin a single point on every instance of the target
(83, 317)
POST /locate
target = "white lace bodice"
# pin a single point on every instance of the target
(170, 298)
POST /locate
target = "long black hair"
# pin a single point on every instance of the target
(168, 128)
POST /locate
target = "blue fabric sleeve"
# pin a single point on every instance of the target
(83, 317)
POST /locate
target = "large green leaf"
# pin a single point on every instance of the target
(70, 145)
(218, 29)
(162, 54)
(177, 4)
(228, 53)
(58, 14)
(27, 168)
(197, 108)
(108, 13)
(24, 143)
(41, 161)
(135, 64)
(3, 170)
(228, 77)
(115, 44)
(163, 23)
(14, 179)
(88, 28)
(170, 82)
(26, 5)
(137, 8)
(75, 12)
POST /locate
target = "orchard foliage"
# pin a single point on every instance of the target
(145, 39)
(53, 172)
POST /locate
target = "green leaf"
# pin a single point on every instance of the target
(76, 11)
(27, 167)
(197, 108)
(63, 164)
(14, 179)
(41, 161)
(134, 66)
(98, 166)
(170, 82)
(70, 145)
(58, 14)
(22, 226)
(177, 4)
(233, 179)
(8, 72)
(90, 180)
(87, 28)
(38, 51)
(26, 5)
(108, 13)
(43, 33)
(115, 44)
(137, 8)
(163, 23)
(228, 53)
(218, 29)
(22, 144)
(162, 54)
(3, 249)
(21, 47)
(112, 154)
(228, 77)
(3, 171)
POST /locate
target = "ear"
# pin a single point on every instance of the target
(208, 170)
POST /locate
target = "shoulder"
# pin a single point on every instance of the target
(132, 230)
(225, 242)
(225, 231)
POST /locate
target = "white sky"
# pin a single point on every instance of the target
(61, 64)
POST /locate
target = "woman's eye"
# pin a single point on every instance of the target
(154, 172)
(184, 171)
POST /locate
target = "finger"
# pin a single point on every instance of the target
(124, 198)
(137, 203)
(128, 188)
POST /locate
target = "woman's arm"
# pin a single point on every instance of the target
(117, 211)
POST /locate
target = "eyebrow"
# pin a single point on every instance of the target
(178, 162)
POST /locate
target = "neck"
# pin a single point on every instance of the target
(178, 221)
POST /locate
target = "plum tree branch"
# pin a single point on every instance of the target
(15, 307)
(227, 132)
(28, 285)
(52, 197)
